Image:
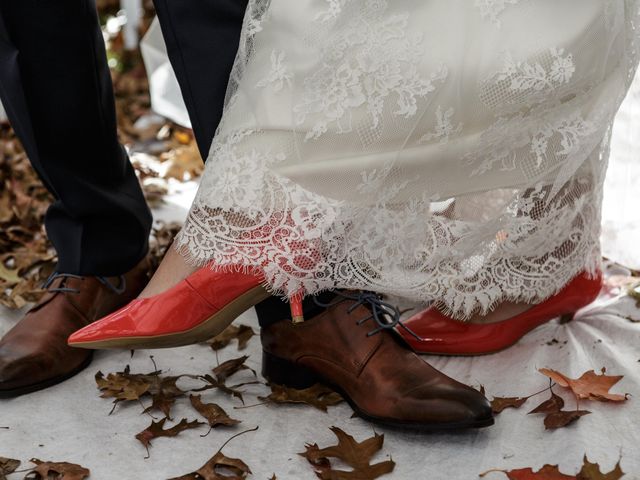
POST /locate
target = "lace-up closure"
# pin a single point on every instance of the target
(118, 290)
(385, 315)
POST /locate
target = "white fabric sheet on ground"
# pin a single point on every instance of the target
(70, 422)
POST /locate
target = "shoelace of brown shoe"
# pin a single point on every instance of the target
(385, 315)
(118, 290)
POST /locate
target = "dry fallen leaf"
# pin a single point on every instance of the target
(7, 466)
(548, 472)
(589, 471)
(57, 471)
(214, 414)
(214, 468)
(241, 333)
(555, 416)
(357, 455)
(220, 466)
(589, 386)
(499, 404)
(226, 369)
(155, 430)
(318, 396)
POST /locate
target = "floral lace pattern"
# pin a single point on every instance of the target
(492, 9)
(368, 61)
(373, 147)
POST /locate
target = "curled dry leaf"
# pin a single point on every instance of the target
(589, 386)
(499, 404)
(318, 396)
(216, 466)
(226, 369)
(555, 416)
(219, 466)
(156, 430)
(563, 418)
(357, 455)
(214, 414)
(7, 466)
(241, 333)
(57, 471)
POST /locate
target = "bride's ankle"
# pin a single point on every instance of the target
(171, 271)
(502, 312)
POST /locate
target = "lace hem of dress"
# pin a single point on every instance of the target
(527, 261)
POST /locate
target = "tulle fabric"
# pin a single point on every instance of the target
(442, 150)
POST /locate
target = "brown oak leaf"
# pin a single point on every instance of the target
(589, 386)
(499, 404)
(156, 430)
(318, 396)
(7, 466)
(241, 333)
(57, 471)
(591, 471)
(357, 455)
(215, 469)
(214, 414)
(563, 418)
(555, 416)
(553, 405)
(226, 369)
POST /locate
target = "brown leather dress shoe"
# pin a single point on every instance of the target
(374, 370)
(34, 354)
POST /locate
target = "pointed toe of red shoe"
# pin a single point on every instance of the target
(118, 324)
(441, 335)
(194, 310)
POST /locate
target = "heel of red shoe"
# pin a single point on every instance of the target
(566, 318)
(295, 303)
(283, 372)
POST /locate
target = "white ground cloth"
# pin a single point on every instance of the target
(69, 422)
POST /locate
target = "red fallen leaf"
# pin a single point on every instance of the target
(318, 396)
(548, 472)
(156, 430)
(57, 471)
(357, 455)
(7, 466)
(499, 404)
(589, 471)
(589, 386)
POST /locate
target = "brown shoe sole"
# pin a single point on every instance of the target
(16, 392)
(283, 372)
(208, 329)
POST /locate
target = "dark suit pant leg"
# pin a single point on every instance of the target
(202, 39)
(56, 88)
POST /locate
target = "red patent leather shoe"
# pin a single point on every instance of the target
(195, 310)
(441, 335)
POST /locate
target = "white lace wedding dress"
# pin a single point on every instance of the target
(449, 150)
